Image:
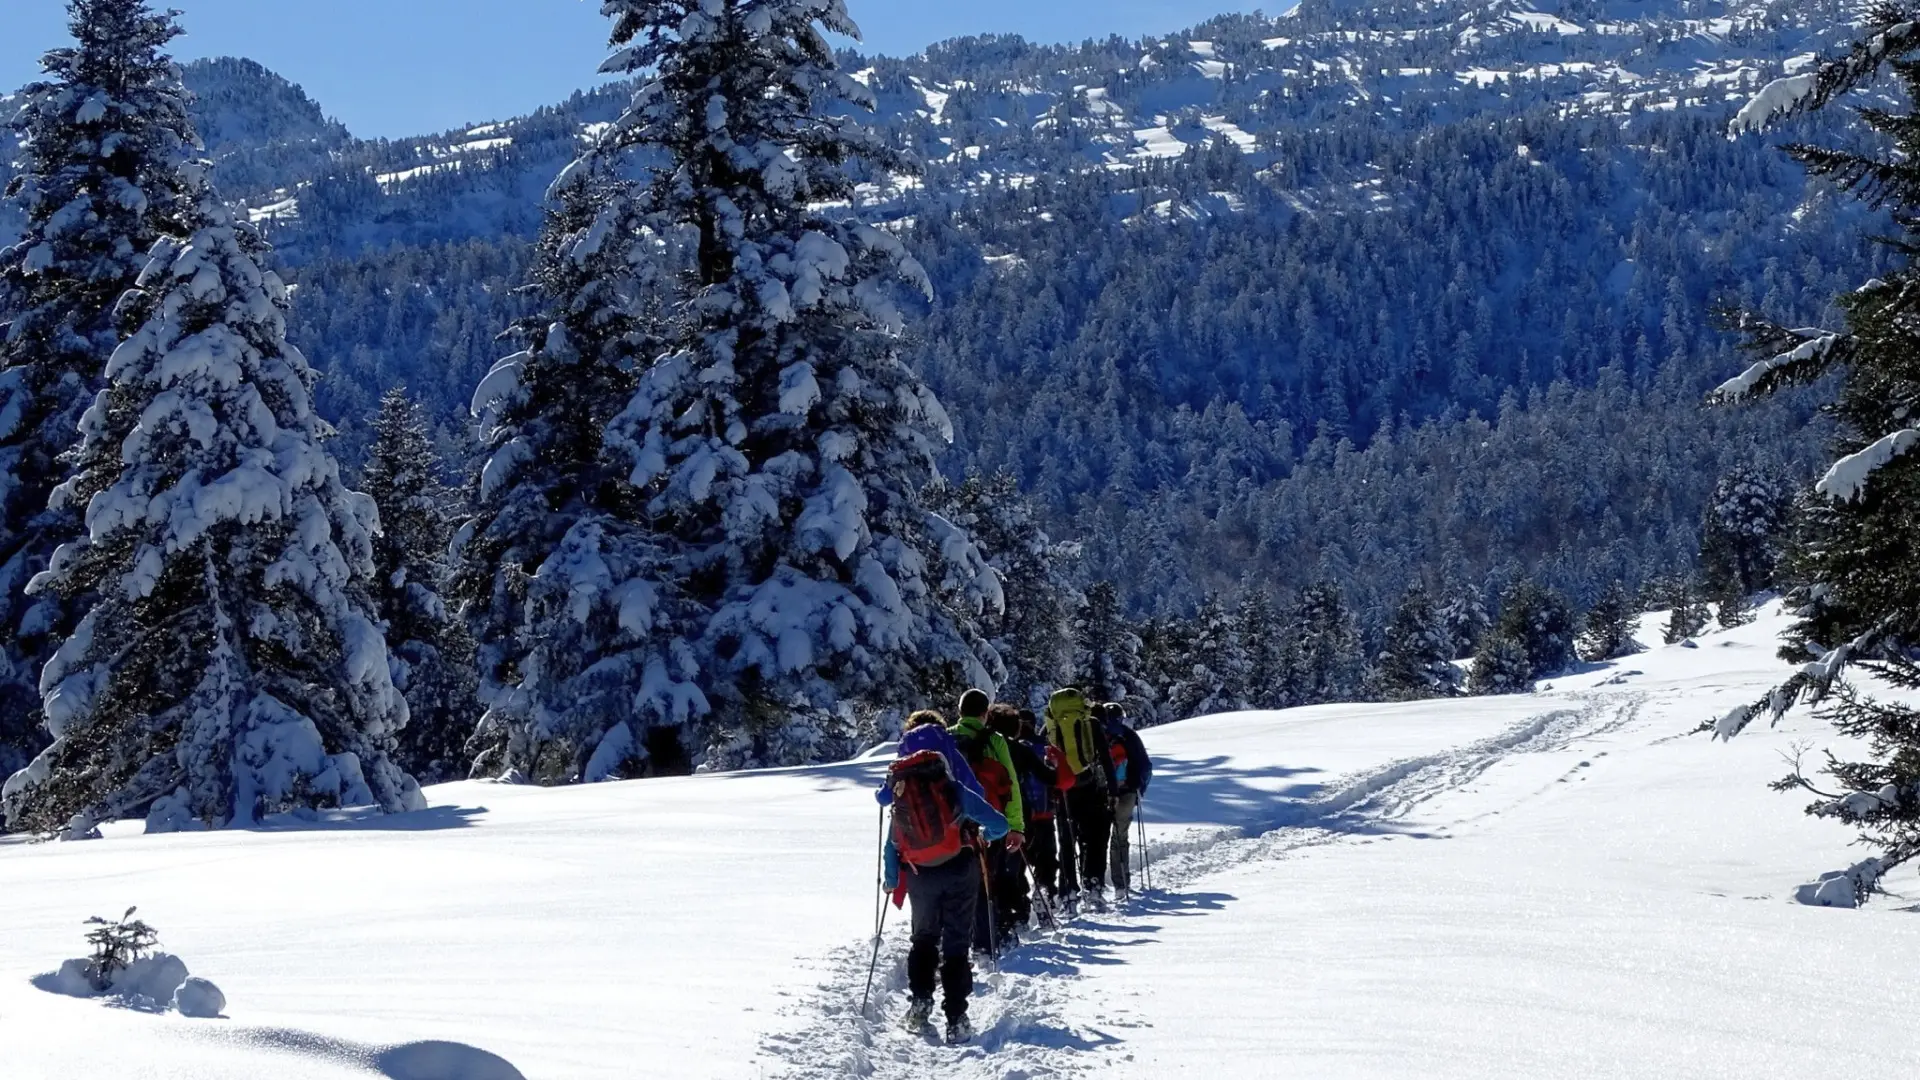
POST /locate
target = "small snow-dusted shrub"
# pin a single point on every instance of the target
(117, 946)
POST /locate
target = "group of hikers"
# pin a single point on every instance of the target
(978, 804)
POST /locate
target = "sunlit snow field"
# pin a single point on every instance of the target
(1561, 884)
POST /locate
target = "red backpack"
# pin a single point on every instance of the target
(993, 777)
(926, 809)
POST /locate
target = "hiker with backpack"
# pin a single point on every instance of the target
(986, 753)
(932, 858)
(1132, 772)
(1013, 899)
(1073, 729)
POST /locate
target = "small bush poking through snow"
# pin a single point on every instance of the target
(116, 946)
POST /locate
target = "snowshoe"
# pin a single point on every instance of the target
(918, 1015)
(959, 1030)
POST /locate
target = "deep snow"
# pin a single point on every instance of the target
(1556, 884)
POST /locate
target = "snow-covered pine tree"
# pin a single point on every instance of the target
(1856, 588)
(1208, 664)
(1109, 655)
(781, 444)
(1267, 675)
(1416, 658)
(102, 139)
(1741, 533)
(1465, 614)
(1689, 614)
(230, 666)
(1328, 661)
(1541, 621)
(1610, 626)
(1500, 666)
(432, 652)
(575, 611)
(1037, 632)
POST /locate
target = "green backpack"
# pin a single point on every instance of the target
(1070, 727)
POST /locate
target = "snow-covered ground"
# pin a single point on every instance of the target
(1562, 884)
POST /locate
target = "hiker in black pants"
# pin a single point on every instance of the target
(1076, 732)
(941, 817)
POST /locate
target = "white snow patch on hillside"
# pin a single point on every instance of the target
(1158, 142)
(1221, 125)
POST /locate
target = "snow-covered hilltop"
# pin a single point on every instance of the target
(1507, 887)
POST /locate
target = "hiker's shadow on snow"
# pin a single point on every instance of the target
(1093, 942)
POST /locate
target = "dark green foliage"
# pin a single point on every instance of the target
(117, 944)
(1741, 533)
(1327, 662)
(1416, 659)
(1689, 613)
(1500, 666)
(1541, 622)
(432, 650)
(1610, 626)
(1109, 653)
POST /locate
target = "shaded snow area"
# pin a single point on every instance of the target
(1560, 884)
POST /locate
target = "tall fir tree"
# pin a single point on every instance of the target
(1035, 634)
(1856, 592)
(1610, 627)
(103, 137)
(1416, 657)
(1465, 614)
(1209, 664)
(1109, 655)
(1267, 676)
(1542, 622)
(1688, 614)
(230, 666)
(584, 676)
(1328, 662)
(780, 443)
(1741, 533)
(432, 652)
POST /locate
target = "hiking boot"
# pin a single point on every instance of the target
(918, 1015)
(959, 1030)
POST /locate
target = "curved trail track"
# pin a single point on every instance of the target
(1020, 1030)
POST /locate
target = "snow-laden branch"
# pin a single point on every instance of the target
(1815, 348)
(1848, 477)
(1797, 94)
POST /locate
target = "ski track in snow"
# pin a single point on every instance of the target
(1019, 1030)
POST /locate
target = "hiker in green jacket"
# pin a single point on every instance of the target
(986, 751)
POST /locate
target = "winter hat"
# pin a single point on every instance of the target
(974, 703)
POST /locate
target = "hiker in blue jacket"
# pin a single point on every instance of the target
(941, 822)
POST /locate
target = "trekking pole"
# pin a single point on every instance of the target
(880, 905)
(993, 933)
(1146, 855)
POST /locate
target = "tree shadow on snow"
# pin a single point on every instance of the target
(370, 819)
(429, 1060)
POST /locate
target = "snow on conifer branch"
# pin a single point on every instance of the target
(1893, 31)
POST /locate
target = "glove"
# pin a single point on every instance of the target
(1016, 841)
(900, 894)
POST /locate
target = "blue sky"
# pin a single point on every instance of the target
(405, 67)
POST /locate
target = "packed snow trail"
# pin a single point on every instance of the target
(1019, 1011)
